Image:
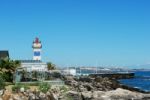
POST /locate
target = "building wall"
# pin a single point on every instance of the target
(34, 66)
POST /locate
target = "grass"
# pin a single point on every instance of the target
(18, 86)
(64, 88)
(44, 87)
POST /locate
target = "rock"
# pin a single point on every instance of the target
(123, 94)
(73, 94)
(1, 92)
(36, 93)
(54, 96)
(97, 94)
(82, 88)
(16, 97)
(48, 95)
(146, 97)
(98, 79)
(74, 83)
(71, 78)
(31, 96)
(25, 93)
(6, 95)
(88, 86)
(87, 95)
(22, 89)
(42, 96)
(86, 79)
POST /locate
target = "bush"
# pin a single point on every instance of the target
(7, 76)
(2, 83)
(56, 75)
(64, 88)
(44, 87)
(16, 87)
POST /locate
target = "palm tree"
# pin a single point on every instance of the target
(51, 66)
(7, 68)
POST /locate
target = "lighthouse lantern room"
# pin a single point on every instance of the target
(37, 49)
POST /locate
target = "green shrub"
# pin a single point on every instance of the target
(56, 74)
(16, 87)
(7, 76)
(64, 88)
(2, 83)
(44, 87)
(8, 83)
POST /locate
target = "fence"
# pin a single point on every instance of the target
(51, 82)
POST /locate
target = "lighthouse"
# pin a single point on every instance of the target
(37, 49)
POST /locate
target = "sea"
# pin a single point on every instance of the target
(141, 80)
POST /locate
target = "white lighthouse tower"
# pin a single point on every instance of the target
(37, 49)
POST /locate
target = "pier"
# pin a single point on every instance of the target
(114, 75)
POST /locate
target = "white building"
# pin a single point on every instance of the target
(36, 64)
(69, 71)
(33, 65)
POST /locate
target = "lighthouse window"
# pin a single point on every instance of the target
(36, 53)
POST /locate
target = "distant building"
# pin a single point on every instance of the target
(4, 54)
(69, 71)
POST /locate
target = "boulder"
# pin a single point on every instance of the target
(82, 88)
(54, 96)
(87, 95)
(88, 86)
(1, 92)
(123, 94)
(31, 96)
(6, 95)
(22, 89)
(74, 94)
(98, 79)
(97, 94)
(71, 78)
(48, 95)
(16, 97)
(86, 79)
(42, 96)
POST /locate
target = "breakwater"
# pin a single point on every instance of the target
(115, 75)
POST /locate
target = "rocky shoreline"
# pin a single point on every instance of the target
(97, 83)
(82, 88)
(98, 88)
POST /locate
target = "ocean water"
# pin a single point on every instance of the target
(141, 80)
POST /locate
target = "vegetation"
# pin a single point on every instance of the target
(51, 66)
(64, 88)
(56, 74)
(68, 97)
(44, 87)
(18, 86)
(7, 68)
(2, 83)
(34, 74)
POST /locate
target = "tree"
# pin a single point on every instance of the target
(7, 68)
(51, 66)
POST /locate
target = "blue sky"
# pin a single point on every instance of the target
(78, 32)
